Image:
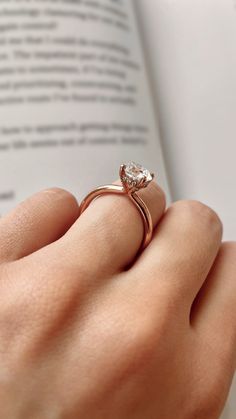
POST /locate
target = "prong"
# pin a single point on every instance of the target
(142, 184)
(122, 171)
(122, 177)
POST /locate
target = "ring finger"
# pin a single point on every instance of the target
(108, 235)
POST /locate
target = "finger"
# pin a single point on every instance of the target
(213, 313)
(107, 236)
(181, 254)
(36, 222)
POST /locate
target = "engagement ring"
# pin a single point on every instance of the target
(133, 177)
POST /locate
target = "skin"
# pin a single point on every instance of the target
(90, 331)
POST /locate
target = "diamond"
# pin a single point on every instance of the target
(134, 176)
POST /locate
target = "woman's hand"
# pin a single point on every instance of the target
(84, 337)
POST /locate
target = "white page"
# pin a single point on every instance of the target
(74, 97)
(191, 47)
(191, 50)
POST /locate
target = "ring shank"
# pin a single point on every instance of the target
(135, 198)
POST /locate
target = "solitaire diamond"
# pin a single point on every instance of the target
(134, 176)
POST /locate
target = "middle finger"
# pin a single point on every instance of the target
(181, 253)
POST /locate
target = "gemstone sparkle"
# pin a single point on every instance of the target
(134, 176)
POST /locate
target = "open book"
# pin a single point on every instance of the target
(75, 100)
(80, 94)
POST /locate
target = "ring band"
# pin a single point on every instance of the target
(133, 177)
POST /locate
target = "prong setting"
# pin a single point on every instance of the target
(134, 177)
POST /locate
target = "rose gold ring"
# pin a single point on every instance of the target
(133, 177)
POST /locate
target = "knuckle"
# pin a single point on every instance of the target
(59, 194)
(193, 210)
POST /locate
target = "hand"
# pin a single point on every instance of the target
(84, 337)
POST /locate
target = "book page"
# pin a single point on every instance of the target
(191, 49)
(74, 97)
